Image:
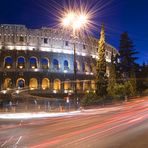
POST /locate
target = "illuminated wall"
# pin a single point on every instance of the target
(43, 59)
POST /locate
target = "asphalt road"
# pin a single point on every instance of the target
(122, 126)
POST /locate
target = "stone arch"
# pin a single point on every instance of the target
(45, 63)
(7, 83)
(57, 84)
(55, 63)
(86, 85)
(93, 84)
(33, 83)
(21, 62)
(33, 61)
(87, 68)
(8, 62)
(78, 84)
(93, 68)
(83, 67)
(66, 64)
(67, 85)
(20, 83)
(45, 83)
(78, 67)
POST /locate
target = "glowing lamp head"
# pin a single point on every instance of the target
(69, 18)
(75, 20)
(81, 21)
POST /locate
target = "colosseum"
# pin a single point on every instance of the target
(43, 59)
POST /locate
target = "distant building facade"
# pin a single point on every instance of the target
(44, 59)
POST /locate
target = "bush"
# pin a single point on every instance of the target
(90, 99)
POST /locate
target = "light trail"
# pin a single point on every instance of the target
(36, 115)
(17, 142)
(126, 122)
(6, 141)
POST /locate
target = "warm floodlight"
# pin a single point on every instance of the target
(75, 20)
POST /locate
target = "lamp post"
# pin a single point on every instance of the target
(75, 21)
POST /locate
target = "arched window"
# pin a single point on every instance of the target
(93, 85)
(87, 68)
(33, 83)
(21, 62)
(90, 67)
(66, 65)
(93, 68)
(77, 65)
(20, 83)
(67, 85)
(86, 85)
(33, 62)
(83, 67)
(45, 63)
(78, 84)
(55, 64)
(8, 61)
(45, 83)
(57, 84)
(7, 83)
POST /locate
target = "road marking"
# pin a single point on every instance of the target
(6, 141)
(18, 140)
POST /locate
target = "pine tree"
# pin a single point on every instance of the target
(112, 78)
(101, 79)
(126, 55)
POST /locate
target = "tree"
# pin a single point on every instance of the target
(101, 79)
(112, 78)
(142, 78)
(133, 81)
(126, 56)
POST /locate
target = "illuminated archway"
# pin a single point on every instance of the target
(86, 85)
(8, 62)
(57, 84)
(93, 84)
(94, 68)
(78, 84)
(55, 63)
(21, 62)
(67, 85)
(33, 83)
(83, 67)
(45, 83)
(20, 83)
(33, 62)
(7, 83)
(90, 67)
(66, 65)
(78, 65)
(87, 68)
(45, 63)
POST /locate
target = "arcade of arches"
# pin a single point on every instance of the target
(45, 63)
(46, 84)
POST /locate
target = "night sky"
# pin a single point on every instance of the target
(117, 15)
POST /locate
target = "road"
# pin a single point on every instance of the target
(120, 126)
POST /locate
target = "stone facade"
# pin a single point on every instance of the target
(43, 58)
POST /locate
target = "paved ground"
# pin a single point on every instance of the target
(124, 126)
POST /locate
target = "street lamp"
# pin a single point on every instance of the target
(75, 21)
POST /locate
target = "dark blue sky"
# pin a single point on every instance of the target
(118, 16)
